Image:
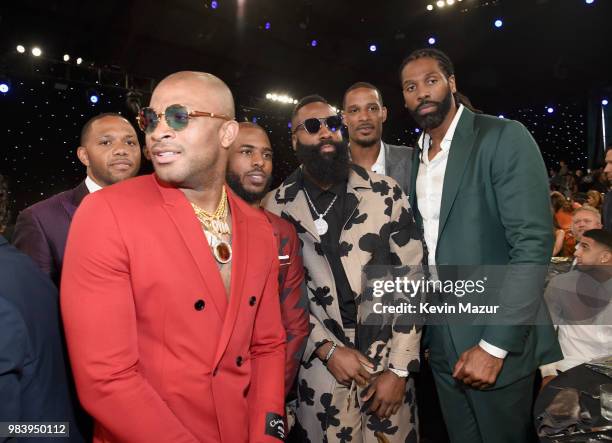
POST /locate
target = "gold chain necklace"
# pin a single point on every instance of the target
(215, 222)
(215, 225)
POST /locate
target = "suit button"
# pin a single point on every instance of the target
(239, 361)
(199, 305)
(252, 300)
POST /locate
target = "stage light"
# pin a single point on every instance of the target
(501, 116)
(450, 2)
(268, 25)
(589, 2)
(66, 57)
(79, 61)
(4, 86)
(254, 119)
(431, 41)
(550, 110)
(93, 96)
(498, 23)
(430, 7)
(281, 98)
(36, 51)
(604, 102)
(313, 43)
(372, 48)
(214, 4)
(440, 3)
(289, 125)
(20, 49)
(417, 130)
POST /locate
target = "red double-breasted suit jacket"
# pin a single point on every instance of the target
(159, 352)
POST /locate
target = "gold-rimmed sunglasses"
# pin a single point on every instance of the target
(177, 117)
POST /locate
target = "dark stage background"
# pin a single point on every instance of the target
(547, 54)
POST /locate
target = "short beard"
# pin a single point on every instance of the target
(433, 119)
(324, 169)
(233, 180)
(366, 143)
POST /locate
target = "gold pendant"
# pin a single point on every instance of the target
(222, 252)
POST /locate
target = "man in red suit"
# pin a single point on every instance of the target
(249, 174)
(170, 291)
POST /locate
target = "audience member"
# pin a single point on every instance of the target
(594, 199)
(607, 204)
(562, 210)
(249, 175)
(354, 383)
(580, 304)
(34, 384)
(364, 115)
(170, 288)
(110, 151)
(465, 159)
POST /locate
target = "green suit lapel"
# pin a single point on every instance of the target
(458, 156)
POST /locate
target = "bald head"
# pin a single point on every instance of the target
(193, 157)
(200, 84)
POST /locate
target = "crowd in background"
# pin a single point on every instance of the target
(572, 191)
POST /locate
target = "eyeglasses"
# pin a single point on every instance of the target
(313, 125)
(177, 117)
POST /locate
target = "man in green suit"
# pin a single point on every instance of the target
(480, 194)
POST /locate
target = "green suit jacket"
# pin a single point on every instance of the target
(495, 210)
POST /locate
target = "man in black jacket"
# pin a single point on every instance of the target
(33, 377)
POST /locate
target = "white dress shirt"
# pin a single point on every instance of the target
(379, 166)
(430, 180)
(581, 340)
(92, 186)
(429, 184)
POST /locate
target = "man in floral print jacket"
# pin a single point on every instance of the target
(354, 383)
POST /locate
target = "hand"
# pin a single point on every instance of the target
(348, 364)
(477, 368)
(545, 381)
(387, 392)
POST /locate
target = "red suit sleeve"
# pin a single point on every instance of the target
(294, 304)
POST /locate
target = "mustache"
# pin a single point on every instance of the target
(426, 103)
(327, 141)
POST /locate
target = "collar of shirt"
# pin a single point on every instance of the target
(445, 144)
(92, 186)
(379, 165)
(315, 191)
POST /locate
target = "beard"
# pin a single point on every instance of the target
(435, 118)
(233, 181)
(367, 142)
(326, 169)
